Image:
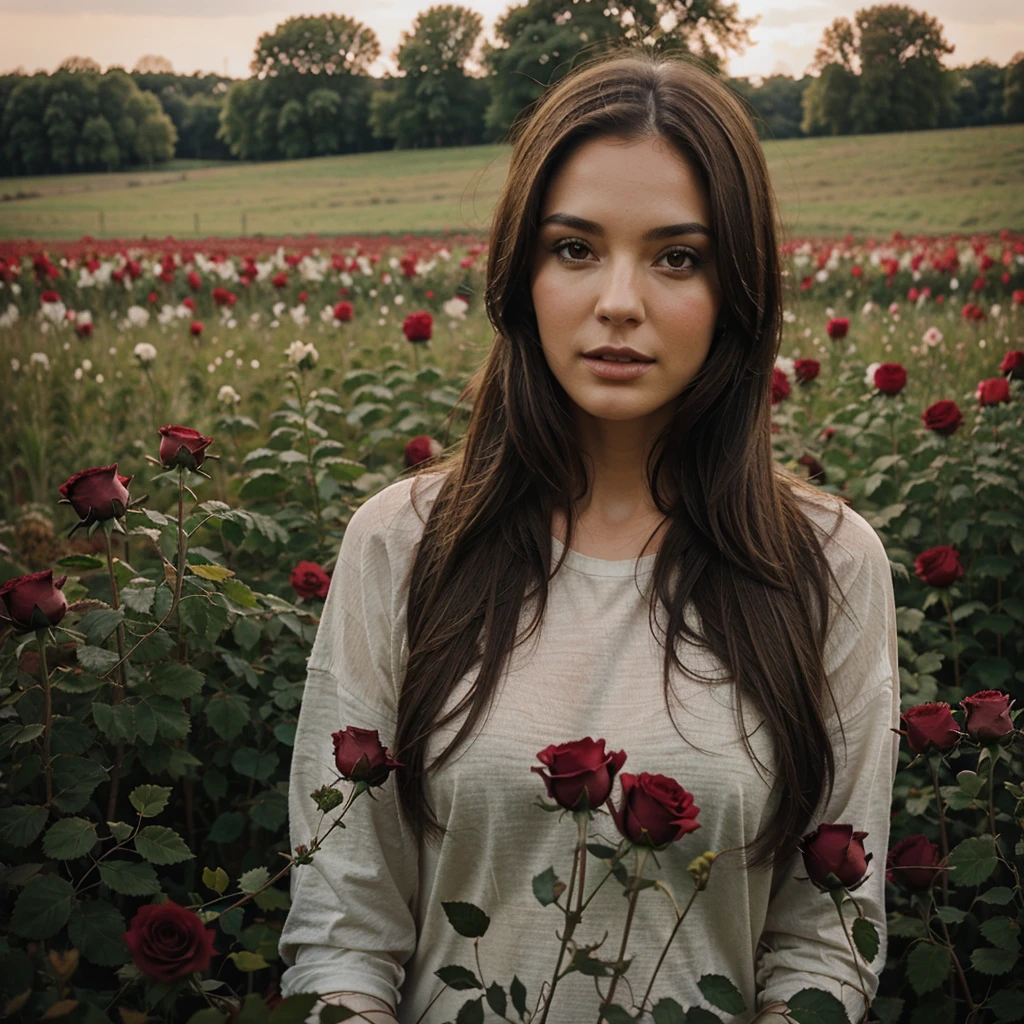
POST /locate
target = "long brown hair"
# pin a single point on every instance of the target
(737, 544)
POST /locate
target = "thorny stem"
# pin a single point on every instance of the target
(943, 838)
(959, 970)
(182, 550)
(118, 694)
(571, 918)
(952, 637)
(856, 960)
(641, 858)
(47, 713)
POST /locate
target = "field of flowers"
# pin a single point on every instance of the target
(187, 431)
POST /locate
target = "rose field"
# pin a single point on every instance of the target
(188, 427)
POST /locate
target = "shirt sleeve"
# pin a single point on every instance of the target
(351, 925)
(803, 942)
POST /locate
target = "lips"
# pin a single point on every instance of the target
(617, 353)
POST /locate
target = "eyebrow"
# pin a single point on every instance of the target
(592, 227)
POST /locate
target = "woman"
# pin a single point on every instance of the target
(520, 595)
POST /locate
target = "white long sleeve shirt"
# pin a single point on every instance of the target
(366, 915)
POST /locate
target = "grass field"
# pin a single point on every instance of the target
(964, 180)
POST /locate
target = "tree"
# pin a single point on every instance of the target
(152, 64)
(776, 104)
(238, 119)
(197, 136)
(26, 146)
(539, 41)
(97, 146)
(327, 45)
(977, 93)
(76, 65)
(155, 134)
(1013, 89)
(432, 103)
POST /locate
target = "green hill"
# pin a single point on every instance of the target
(965, 180)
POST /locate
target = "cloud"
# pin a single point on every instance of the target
(781, 17)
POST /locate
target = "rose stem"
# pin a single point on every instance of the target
(311, 469)
(47, 712)
(641, 858)
(837, 899)
(182, 549)
(571, 918)
(993, 757)
(942, 828)
(952, 637)
(115, 773)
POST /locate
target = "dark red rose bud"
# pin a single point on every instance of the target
(654, 811)
(993, 391)
(34, 601)
(418, 327)
(835, 850)
(838, 327)
(930, 727)
(988, 715)
(360, 756)
(780, 386)
(182, 446)
(939, 566)
(421, 448)
(914, 863)
(1013, 361)
(97, 494)
(890, 378)
(578, 766)
(943, 417)
(308, 580)
(168, 942)
(806, 370)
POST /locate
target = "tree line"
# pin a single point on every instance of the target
(311, 93)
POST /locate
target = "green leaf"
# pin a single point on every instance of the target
(173, 679)
(335, 1014)
(994, 961)
(170, 716)
(815, 1006)
(215, 880)
(263, 483)
(19, 825)
(935, 1008)
(148, 800)
(98, 624)
(458, 978)
(906, 927)
(865, 938)
(615, 1014)
(130, 878)
(1007, 1005)
(469, 921)
(970, 782)
(698, 1015)
(254, 1010)
(248, 962)
(972, 861)
(252, 880)
(227, 714)
(120, 830)
(253, 764)
(668, 1011)
(116, 722)
(517, 990)
(927, 967)
(496, 999)
(544, 887)
(161, 845)
(1003, 932)
(42, 908)
(887, 1009)
(471, 1013)
(97, 929)
(721, 993)
(69, 838)
(217, 573)
(96, 659)
(237, 591)
(294, 1009)
(227, 827)
(74, 779)
(139, 599)
(999, 895)
(951, 915)
(80, 562)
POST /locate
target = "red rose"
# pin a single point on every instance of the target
(582, 765)
(890, 378)
(857, 270)
(939, 566)
(152, 298)
(280, 280)
(930, 727)
(84, 329)
(343, 311)
(360, 756)
(988, 715)
(806, 369)
(835, 850)
(943, 417)
(914, 862)
(309, 580)
(97, 494)
(418, 326)
(815, 470)
(222, 297)
(50, 296)
(421, 448)
(1018, 296)
(182, 446)
(655, 810)
(168, 942)
(195, 328)
(969, 311)
(780, 386)
(1013, 363)
(993, 391)
(838, 327)
(189, 303)
(34, 601)
(194, 281)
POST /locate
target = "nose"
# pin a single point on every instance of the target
(620, 298)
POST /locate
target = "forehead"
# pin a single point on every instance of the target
(627, 183)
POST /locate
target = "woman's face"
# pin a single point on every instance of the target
(658, 296)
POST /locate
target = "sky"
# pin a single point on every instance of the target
(220, 35)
